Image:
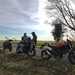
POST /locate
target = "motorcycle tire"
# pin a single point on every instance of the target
(19, 50)
(32, 53)
(71, 57)
(45, 55)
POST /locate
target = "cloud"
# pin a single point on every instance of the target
(73, 1)
(19, 16)
(16, 11)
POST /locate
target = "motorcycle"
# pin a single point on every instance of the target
(49, 51)
(26, 48)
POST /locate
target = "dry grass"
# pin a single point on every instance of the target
(20, 65)
(14, 64)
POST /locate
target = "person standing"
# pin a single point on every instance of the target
(34, 38)
(34, 42)
(24, 37)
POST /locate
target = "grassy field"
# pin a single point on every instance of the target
(13, 64)
(20, 65)
(39, 43)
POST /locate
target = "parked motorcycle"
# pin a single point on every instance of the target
(49, 51)
(26, 48)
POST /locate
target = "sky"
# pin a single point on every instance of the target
(20, 16)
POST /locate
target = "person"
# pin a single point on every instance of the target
(59, 47)
(27, 43)
(60, 43)
(34, 39)
(69, 44)
(24, 37)
(34, 42)
(7, 45)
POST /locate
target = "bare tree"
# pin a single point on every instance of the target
(63, 10)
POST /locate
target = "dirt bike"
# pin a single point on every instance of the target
(26, 49)
(49, 51)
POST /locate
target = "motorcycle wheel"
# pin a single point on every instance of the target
(71, 57)
(32, 53)
(19, 50)
(45, 55)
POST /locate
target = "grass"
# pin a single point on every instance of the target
(22, 65)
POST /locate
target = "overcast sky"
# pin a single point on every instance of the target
(19, 16)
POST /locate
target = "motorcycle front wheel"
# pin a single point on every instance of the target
(45, 55)
(32, 53)
(71, 57)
